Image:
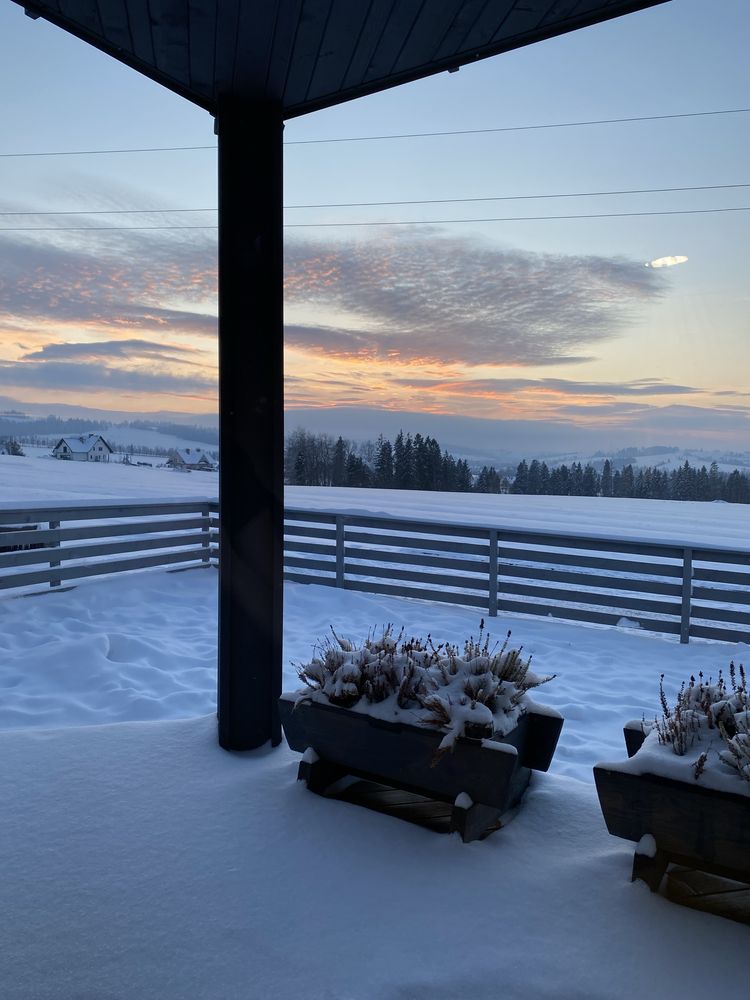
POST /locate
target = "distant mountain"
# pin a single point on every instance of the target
(503, 443)
(19, 410)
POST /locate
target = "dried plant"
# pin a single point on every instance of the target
(441, 686)
(704, 705)
(678, 726)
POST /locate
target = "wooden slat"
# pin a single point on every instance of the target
(412, 542)
(400, 24)
(202, 46)
(307, 45)
(342, 38)
(113, 16)
(396, 573)
(169, 30)
(588, 597)
(428, 529)
(464, 22)
(553, 557)
(553, 575)
(418, 593)
(702, 574)
(32, 557)
(702, 612)
(721, 596)
(291, 530)
(314, 564)
(139, 22)
(323, 581)
(80, 532)
(313, 547)
(429, 32)
(456, 565)
(580, 615)
(98, 569)
(99, 511)
(719, 634)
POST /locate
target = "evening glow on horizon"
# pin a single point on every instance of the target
(553, 320)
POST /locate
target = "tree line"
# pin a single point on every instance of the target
(408, 463)
(419, 463)
(684, 483)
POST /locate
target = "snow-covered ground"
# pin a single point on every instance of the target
(140, 860)
(40, 477)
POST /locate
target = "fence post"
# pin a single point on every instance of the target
(687, 593)
(493, 574)
(54, 563)
(339, 550)
(205, 535)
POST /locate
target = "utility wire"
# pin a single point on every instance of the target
(401, 135)
(382, 204)
(411, 222)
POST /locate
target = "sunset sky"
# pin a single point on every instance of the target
(633, 323)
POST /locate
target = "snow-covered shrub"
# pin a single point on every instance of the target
(702, 706)
(476, 689)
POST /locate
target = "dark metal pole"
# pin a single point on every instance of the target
(251, 421)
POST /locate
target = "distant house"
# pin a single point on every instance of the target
(189, 459)
(87, 448)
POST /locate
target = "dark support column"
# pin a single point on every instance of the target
(251, 422)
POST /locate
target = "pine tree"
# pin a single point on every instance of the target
(521, 482)
(607, 479)
(338, 470)
(384, 464)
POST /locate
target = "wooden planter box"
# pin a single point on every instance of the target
(491, 773)
(700, 828)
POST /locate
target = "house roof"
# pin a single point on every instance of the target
(309, 54)
(83, 444)
(191, 456)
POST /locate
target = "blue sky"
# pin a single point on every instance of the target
(554, 321)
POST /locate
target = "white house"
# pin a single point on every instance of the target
(190, 458)
(87, 448)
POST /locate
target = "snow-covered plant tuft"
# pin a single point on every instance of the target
(478, 689)
(704, 705)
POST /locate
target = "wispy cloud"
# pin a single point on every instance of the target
(505, 386)
(116, 349)
(138, 282)
(95, 377)
(432, 297)
(666, 261)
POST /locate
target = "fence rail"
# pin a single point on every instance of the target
(42, 546)
(685, 591)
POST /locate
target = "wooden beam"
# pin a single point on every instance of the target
(251, 419)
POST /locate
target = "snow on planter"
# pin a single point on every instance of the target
(686, 784)
(476, 691)
(450, 725)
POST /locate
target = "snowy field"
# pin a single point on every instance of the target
(141, 861)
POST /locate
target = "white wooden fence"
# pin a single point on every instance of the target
(696, 591)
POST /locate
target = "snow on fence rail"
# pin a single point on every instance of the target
(697, 591)
(42, 545)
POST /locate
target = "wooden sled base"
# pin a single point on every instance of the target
(473, 821)
(690, 886)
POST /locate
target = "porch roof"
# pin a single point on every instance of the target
(309, 54)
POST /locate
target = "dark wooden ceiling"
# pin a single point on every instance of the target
(310, 54)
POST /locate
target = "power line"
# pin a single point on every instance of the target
(393, 222)
(520, 128)
(401, 135)
(382, 204)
